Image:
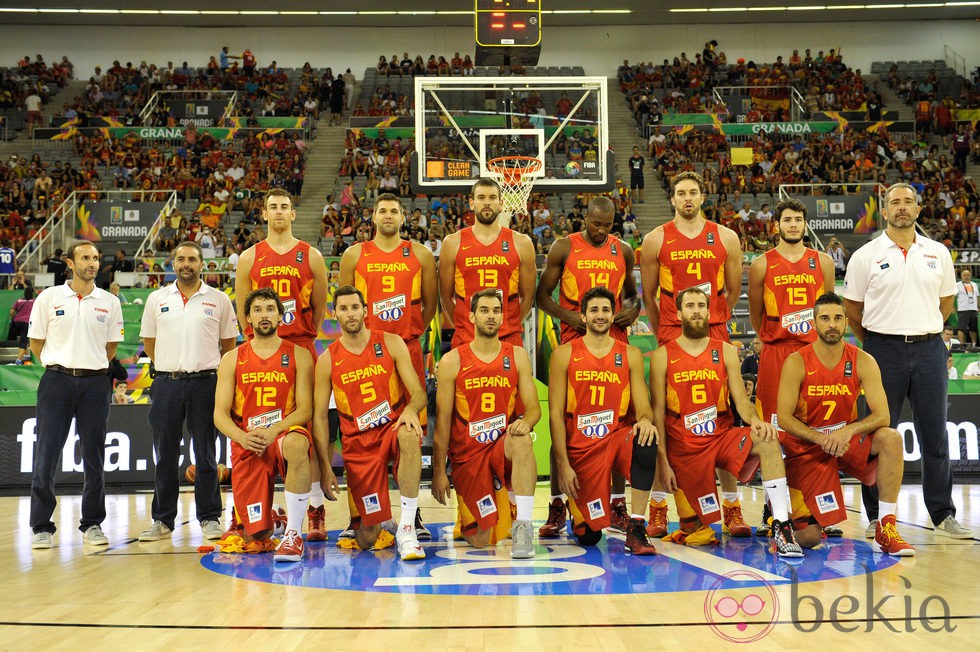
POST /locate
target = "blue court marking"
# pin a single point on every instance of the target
(561, 567)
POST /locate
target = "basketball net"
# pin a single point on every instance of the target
(516, 175)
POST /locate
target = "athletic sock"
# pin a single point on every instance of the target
(613, 497)
(316, 495)
(296, 510)
(511, 497)
(730, 496)
(525, 505)
(776, 490)
(885, 509)
(410, 506)
(658, 496)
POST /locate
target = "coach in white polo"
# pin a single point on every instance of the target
(187, 326)
(898, 293)
(74, 331)
(966, 307)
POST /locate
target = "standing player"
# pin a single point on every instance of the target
(487, 255)
(690, 251)
(601, 421)
(187, 327)
(783, 284)
(8, 263)
(478, 428)
(295, 270)
(578, 262)
(379, 398)
(636, 163)
(818, 392)
(263, 401)
(398, 280)
(692, 379)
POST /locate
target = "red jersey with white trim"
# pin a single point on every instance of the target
(697, 392)
(828, 397)
(391, 282)
(789, 292)
(598, 400)
(264, 387)
(366, 385)
(692, 262)
(291, 276)
(485, 402)
(480, 266)
(586, 267)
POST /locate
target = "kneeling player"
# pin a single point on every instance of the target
(601, 421)
(477, 427)
(692, 378)
(366, 371)
(817, 407)
(263, 399)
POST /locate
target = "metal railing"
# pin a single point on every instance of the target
(955, 61)
(797, 103)
(199, 94)
(151, 235)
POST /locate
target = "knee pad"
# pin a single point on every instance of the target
(644, 466)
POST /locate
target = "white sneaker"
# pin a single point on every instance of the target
(871, 530)
(408, 543)
(42, 541)
(951, 528)
(212, 530)
(158, 530)
(95, 537)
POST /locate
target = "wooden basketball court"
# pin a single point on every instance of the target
(168, 595)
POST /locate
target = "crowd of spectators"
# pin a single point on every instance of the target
(405, 66)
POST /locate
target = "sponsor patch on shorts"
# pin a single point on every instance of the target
(254, 512)
(371, 503)
(827, 502)
(486, 506)
(596, 509)
(709, 504)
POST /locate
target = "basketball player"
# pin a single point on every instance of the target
(690, 251)
(398, 280)
(817, 407)
(295, 270)
(783, 284)
(478, 428)
(578, 262)
(487, 255)
(601, 420)
(378, 398)
(263, 401)
(692, 379)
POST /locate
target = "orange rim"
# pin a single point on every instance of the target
(514, 168)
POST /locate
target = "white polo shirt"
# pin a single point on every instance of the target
(75, 329)
(966, 296)
(901, 292)
(188, 336)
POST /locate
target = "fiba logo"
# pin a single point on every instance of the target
(573, 169)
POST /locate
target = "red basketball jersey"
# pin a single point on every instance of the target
(697, 392)
(291, 276)
(692, 262)
(391, 282)
(264, 387)
(789, 291)
(366, 385)
(828, 397)
(597, 399)
(586, 267)
(479, 266)
(486, 399)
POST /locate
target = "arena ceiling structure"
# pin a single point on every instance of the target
(419, 13)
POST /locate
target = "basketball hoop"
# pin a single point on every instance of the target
(516, 176)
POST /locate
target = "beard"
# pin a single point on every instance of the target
(487, 330)
(598, 329)
(265, 329)
(352, 327)
(790, 240)
(483, 218)
(695, 331)
(830, 337)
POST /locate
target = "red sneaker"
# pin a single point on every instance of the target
(657, 527)
(734, 525)
(555, 524)
(317, 530)
(619, 520)
(235, 528)
(290, 548)
(636, 539)
(890, 541)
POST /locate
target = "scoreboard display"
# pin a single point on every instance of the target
(508, 23)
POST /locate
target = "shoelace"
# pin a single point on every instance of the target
(290, 538)
(891, 532)
(658, 515)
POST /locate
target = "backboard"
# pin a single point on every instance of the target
(463, 122)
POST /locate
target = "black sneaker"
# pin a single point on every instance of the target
(833, 532)
(764, 528)
(784, 541)
(619, 520)
(555, 524)
(421, 532)
(636, 539)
